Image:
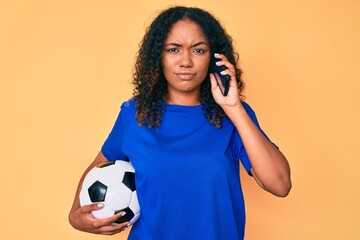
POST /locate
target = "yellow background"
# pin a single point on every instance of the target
(65, 68)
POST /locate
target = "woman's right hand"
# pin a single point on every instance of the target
(83, 220)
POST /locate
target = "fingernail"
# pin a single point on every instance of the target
(123, 214)
(129, 224)
(100, 205)
(126, 228)
(218, 63)
(216, 54)
(222, 72)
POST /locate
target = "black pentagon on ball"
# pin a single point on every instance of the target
(97, 192)
(129, 180)
(128, 216)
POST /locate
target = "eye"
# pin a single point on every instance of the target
(172, 50)
(199, 50)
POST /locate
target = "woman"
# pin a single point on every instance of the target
(185, 139)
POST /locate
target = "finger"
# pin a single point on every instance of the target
(231, 74)
(228, 66)
(110, 220)
(113, 229)
(230, 69)
(228, 72)
(92, 207)
(224, 62)
(213, 82)
(219, 55)
(215, 89)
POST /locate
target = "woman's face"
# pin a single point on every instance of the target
(185, 59)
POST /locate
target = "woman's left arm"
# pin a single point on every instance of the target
(269, 166)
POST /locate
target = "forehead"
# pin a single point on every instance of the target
(186, 30)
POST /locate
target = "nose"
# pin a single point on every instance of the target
(186, 60)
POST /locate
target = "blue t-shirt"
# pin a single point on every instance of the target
(187, 173)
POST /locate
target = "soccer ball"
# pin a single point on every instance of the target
(113, 184)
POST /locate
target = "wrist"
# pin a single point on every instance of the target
(234, 111)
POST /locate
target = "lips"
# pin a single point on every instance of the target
(185, 75)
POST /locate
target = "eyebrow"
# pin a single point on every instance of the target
(179, 45)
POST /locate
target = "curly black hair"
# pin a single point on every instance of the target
(150, 85)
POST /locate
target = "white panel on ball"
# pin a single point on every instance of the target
(118, 196)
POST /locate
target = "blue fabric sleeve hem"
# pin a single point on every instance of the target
(103, 151)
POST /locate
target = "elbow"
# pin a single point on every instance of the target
(70, 220)
(280, 187)
(283, 189)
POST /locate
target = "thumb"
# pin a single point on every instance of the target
(215, 89)
(213, 81)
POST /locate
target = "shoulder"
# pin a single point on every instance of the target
(128, 109)
(128, 104)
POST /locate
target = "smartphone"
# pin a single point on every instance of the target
(223, 81)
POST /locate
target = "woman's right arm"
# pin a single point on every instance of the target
(82, 219)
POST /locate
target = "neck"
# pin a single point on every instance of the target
(183, 99)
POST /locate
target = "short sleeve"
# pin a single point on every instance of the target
(112, 147)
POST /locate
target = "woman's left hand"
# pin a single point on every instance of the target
(232, 99)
